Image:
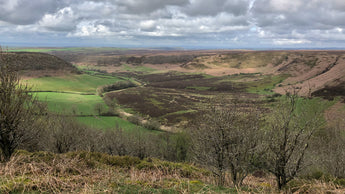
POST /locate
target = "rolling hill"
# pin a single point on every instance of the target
(312, 70)
(38, 64)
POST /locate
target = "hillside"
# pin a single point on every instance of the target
(317, 73)
(38, 64)
(332, 89)
(313, 71)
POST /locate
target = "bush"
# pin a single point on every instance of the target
(152, 125)
(340, 182)
(135, 119)
(115, 86)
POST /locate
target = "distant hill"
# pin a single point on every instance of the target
(317, 72)
(37, 63)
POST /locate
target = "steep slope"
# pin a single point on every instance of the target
(331, 89)
(312, 71)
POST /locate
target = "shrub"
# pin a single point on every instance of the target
(152, 125)
(135, 119)
(115, 86)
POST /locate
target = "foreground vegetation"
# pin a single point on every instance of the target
(89, 172)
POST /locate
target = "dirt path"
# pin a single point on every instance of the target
(125, 115)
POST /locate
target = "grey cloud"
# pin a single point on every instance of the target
(25, 11)
(229, 20)
(147, 6)
(296, 22)
(299, 14)
(338, 5)
(212, 8)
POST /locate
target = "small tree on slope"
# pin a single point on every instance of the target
(290, 127)
(226, 140)
(19, 111)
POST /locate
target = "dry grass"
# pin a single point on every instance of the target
(84, 172)
(314, 186)
(60, 174)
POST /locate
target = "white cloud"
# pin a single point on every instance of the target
(63, 20)
(89, 29)
(289, 41)
(147, 25)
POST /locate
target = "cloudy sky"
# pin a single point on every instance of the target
(174, 23)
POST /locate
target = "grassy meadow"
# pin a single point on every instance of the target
(103, 122)
(75, 95)
(71, 103)
(83, 83)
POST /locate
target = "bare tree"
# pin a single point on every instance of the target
(173, 146)
(99, 108)
(140, 144)
(290, 127)
(19, 110)
(225, 140)
(66, 134)
(115, 142)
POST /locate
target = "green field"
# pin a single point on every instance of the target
(265, 84)
(67, 103)
(110, 123)
(74, 83)
(66, 95)
(83, 107)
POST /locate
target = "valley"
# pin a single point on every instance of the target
(142, 104)
(171, 86)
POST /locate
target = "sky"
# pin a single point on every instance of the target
(204, 24)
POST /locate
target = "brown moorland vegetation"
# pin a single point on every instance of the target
(310, 70)
(38, 64)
